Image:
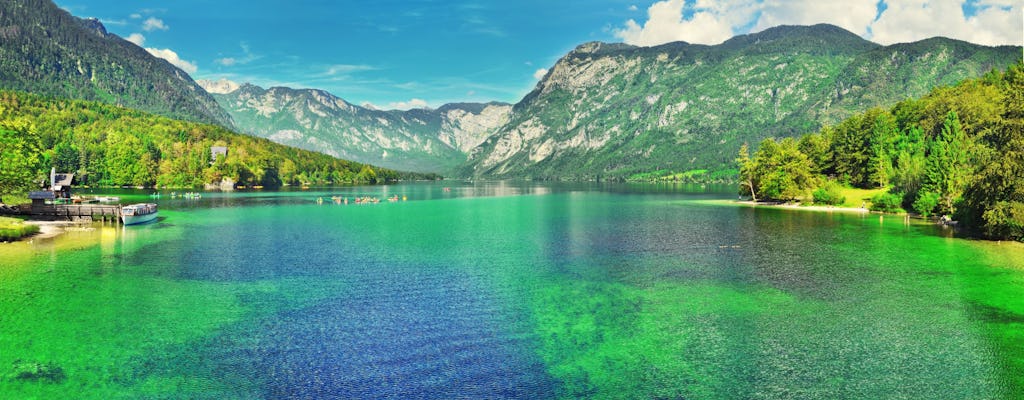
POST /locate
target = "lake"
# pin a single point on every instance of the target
(501, 290)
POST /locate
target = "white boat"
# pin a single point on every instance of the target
(108, 199)
(138, 213)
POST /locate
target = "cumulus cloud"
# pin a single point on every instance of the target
(539, 74)
(994, 22)
(136, 38)
(154, 24)
(407, 105)
(852, 15)
(709, 22)
(172, 57)
(633, 7)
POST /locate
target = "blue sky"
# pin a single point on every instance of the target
(401, 54)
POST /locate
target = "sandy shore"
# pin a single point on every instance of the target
(805, 208)
(49, 229)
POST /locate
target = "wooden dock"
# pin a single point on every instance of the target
(77, 212)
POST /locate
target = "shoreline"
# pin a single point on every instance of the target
(785, 206)
(52, 229)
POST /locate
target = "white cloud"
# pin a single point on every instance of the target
(633, 7)
(539, 74)
(996, 22)
(369, 106)
(226, 61)
(712, 22)
(852, 15)
(135, 16)
(153, 24)
(345, 69)
(911, 20)
(407, 105)
(136, 38)
(172, 57)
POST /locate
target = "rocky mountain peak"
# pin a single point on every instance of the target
(94, 25)
(220, 86)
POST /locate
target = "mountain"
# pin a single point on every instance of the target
(47, 51)
(106, 145)
(416, 140)
(619, 111)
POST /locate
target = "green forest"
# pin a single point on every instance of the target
(106, 145)
(957, 152)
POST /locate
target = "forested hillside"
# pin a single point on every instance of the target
(958, 152)
(45, 50)
(113, 146)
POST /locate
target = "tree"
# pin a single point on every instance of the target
(880, 150)
(747, 171)
(782, 171)
(947, 168)
(20, 152)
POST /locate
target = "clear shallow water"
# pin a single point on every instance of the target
(510, 291)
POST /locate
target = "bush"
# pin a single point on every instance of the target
(926, 203)
(887, 202)
(14, 229)
(1005, 220)
(830, 193)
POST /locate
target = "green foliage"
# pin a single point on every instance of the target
(958, 151)
(1005, 220)
(830, 193)
(113, 146)
(948, 165)
(14, 229)
(782, 172)
(47, 51)
(22, 160)
(991, 203)
(926, 203)
(887, 202)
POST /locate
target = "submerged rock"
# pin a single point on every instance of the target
(37, 371)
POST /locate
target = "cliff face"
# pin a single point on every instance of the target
(418, 140)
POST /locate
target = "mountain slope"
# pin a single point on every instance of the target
(618, 111)
(45, 50)
(416, 140)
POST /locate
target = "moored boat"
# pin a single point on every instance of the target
(138, 213)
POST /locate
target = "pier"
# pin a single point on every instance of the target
(76, 212)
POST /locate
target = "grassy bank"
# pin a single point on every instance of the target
(14, 229)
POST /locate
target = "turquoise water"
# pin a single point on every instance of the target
(510, 291)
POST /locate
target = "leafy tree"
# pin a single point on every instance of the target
(22, 162)
(747, 173)
(784, 172)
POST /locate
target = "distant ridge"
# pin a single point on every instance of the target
(421, 140)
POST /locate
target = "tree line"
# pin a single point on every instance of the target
(957, 152)
(106, 145)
